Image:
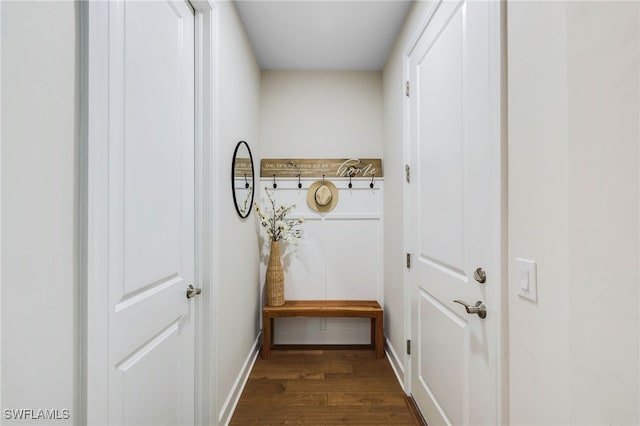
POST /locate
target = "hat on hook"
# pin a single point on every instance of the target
(322, 196)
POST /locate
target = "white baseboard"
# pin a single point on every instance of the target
(225, 414)
(320, 337)
(322, 331)
(396, 364)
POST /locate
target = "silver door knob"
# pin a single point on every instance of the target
(193, 292)
(480, 309)
(480, 275)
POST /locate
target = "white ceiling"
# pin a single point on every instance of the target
(322, 34)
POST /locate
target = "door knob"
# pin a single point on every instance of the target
(480, 275)
(193, 292)
(480, 309)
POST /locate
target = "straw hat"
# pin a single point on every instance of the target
(322, 196)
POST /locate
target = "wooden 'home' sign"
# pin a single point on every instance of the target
(316, 168)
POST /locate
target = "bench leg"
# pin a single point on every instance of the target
(373, 332)
(379, 322)
(266, 336)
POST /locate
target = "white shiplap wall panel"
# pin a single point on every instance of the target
(304, 264)
(353, 259)
(340, 257)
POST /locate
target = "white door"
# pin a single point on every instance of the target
(150, 215)
(454, 216)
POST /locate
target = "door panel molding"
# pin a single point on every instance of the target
(440, 362)
(133, 358)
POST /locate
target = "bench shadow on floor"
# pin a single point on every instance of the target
(323, 387)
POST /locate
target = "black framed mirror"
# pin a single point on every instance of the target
(242, 181)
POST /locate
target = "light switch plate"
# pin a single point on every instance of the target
(527, 279)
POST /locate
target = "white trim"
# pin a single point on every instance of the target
(406, 218)
(1, 405)
(81, 291)
(230, 403)
(93, 388)
(353, 216)
(206, 354)
(287, 183)
(413, 41)
(499, 158)
(93, 198)
(215, 163)
(396, 364)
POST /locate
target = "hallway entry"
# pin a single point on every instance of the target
(455, 214)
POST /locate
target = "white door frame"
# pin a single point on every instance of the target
(1, 404)
(498, 154)
(92, 377)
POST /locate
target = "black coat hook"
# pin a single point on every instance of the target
(299, 183)
(350, 184)
(323, 177)
(275, 185)
(246, 182)
(371, 184)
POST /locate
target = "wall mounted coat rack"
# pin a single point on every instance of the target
(317, 168)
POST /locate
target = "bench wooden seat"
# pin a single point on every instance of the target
(325, 309)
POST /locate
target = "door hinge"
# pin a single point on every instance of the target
(406, 90)
(408, 347)
(407, 172)
(408, 260)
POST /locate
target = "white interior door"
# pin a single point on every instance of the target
(453, 211)
(150, 217)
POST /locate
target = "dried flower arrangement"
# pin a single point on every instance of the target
(274, 220)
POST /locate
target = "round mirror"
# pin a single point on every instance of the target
(242, 179)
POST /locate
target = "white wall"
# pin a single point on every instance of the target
(573, 207)
(393, 153)
(539, 212)
(236, 250)
(321, 114)
(39, 206)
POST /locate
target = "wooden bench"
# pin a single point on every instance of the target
(325, 309)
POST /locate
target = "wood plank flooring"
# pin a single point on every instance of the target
(322, 388)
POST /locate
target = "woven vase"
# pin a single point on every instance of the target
(275, 277)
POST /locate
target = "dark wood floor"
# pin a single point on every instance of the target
(323, 387)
